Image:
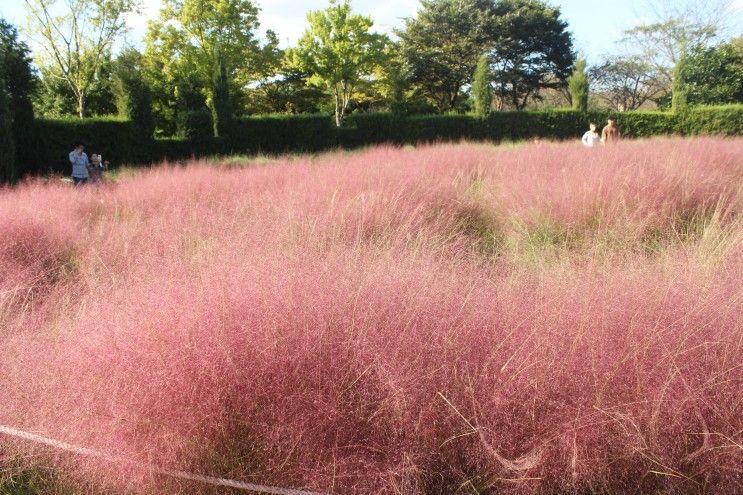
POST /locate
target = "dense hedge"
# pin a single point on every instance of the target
(118, 140)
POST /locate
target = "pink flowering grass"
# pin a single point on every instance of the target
(449, 319)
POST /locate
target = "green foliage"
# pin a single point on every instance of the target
(482, 93)
(79, 35)
(714, 76)
(8, 172)
(133, 98)
(661, 44)
(196, 126)
(442, 45)
(722, 120)
(527, 41)
(55, 98)
(221, 105)
(185, 47)
(679, 96)
(532, 50)
(579, 86)
(20, 83)
(339, 50)
(289, 93)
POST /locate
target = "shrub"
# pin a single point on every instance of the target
(282, 133)
(195, 126)
(8, 172)
(723, 120)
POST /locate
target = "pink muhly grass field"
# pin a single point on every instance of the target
(449, 319)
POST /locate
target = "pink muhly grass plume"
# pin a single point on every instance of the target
(455, 317)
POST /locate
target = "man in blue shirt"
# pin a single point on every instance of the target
(79, 161)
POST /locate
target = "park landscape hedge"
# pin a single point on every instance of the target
(119, 141)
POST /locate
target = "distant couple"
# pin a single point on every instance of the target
(609, 135)
(83, 169)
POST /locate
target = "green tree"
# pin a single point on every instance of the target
(481, 90)
(55, 98)
(527, 41)
(221, 105)
(442, 45)
(193, 38)
(676, 28)
(532, 50)
(339, 50)
(714, 76)
(8, 172)
(288, 93)
(21, 82)
(679, 98)
(78, 40)
(133, 96)
(579, 86)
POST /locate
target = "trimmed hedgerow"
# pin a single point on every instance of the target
(121, 141)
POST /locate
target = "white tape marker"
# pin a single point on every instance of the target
(210, 480)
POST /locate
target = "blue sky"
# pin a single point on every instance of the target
(596, 25)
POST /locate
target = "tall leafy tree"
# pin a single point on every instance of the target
(481, 91)
(77, 36)
(528, 43)
(579, 86)
(714, 75)
(339, 50)
(443, 44)
(21, 81)
(55, 98)
(532, 50)
(133, 96)
(193, 38)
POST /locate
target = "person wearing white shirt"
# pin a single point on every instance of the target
(591, 138)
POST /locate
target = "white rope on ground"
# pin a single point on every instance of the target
(210, 480)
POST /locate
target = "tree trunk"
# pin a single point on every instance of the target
(338, 112)
(81, 104)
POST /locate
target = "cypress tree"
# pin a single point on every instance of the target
(221, 107)
(20, 82)
(481, 90)
(8, 172)
(679, 98)
(579, 86)
(133, 95)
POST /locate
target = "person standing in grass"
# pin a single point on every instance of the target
(591, 138)
(96, 168)
(80, 163)
(611, 133)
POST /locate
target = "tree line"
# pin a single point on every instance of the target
(208, 61)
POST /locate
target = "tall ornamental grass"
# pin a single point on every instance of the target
(449, 319)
